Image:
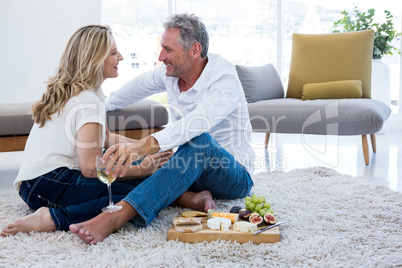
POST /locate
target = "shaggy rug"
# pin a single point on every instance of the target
(332, 220)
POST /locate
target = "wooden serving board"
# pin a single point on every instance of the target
(206, 234)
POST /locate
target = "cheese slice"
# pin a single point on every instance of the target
(219, 224)
(245, 227)
(232, 216)
(186, 220)
(188, 228)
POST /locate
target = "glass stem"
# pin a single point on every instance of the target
(109, 188)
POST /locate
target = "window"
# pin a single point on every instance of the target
(136, 26)
(243, 32)
(133, 56)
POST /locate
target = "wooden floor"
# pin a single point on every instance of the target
(17, 143)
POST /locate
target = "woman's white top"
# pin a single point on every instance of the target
(55, 144)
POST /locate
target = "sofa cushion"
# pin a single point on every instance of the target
(320, 58)
(14, 118)
(325, 117)
(260, 82)
(332, 90)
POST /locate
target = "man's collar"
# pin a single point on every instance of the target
(199, 84)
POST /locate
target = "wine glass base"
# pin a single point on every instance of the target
(112, 208)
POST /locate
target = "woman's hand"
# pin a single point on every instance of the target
(120, 156)
(152, 163)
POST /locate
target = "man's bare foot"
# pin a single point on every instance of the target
(201, 201)
(97, 229)
(82, 234)
(40, 221)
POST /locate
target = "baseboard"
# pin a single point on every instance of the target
(13, 143)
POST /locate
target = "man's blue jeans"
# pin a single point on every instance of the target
(201, 164)
(198, 165)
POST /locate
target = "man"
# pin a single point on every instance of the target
(209, 121)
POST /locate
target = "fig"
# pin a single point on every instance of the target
(257, 219)
(235, 209)
(244, 214)
(254, 214)
(269, 219)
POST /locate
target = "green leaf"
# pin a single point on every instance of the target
(384, 33)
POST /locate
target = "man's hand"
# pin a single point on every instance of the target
(120, 156)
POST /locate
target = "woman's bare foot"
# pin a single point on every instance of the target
(97, 229)
(40, 221)
(201, 201)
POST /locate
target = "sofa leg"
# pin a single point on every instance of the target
(266, 139)
(373, 143)
(365, 149)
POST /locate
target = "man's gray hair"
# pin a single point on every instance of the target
(192, 30)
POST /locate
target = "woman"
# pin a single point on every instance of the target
(57, 177)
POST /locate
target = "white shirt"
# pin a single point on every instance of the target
(55, 145)
(215, 104)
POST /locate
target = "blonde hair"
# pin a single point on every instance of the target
(80, 69)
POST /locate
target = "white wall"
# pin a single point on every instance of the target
(34, 34)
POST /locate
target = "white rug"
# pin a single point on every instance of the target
(332, 221)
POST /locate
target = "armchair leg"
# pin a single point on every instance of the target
(373, 143)
(266, 139)
(365, 149)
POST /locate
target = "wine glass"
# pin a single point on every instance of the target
(107, 179)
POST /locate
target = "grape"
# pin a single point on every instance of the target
(257, 204)
(258, 207)
(255, 199)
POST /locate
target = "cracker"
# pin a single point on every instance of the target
(193, 213)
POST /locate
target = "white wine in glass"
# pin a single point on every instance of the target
(106, 179)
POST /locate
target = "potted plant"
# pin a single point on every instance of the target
(384, 33)
(383, 36)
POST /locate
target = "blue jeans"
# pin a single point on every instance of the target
(201, 164)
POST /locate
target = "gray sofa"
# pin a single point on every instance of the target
(16, 123)
(271, 112)
(328, 91)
